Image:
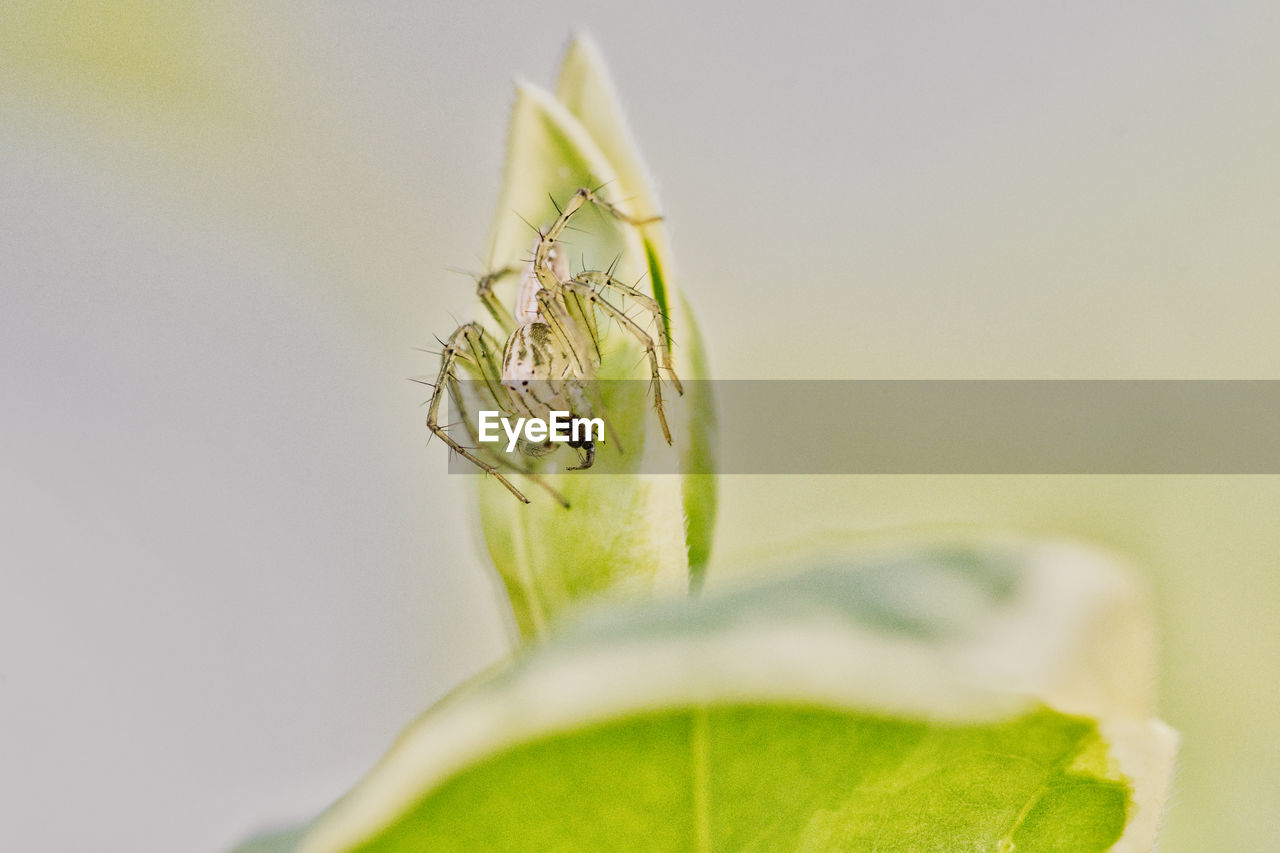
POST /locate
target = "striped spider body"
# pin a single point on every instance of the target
(552, 348)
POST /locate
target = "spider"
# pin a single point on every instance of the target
(552, 348)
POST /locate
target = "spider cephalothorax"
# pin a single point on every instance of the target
(552, 347)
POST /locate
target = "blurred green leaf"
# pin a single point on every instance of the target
(777, 778)
(631, 535)
(921, 698)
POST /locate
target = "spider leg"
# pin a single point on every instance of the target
(484, 292)
(585, 401)
(483, 349)
(464, 415)
(651, 351)
(587, 456)
(447, 379)
(600, 279)
(552, 307)
(587, 318)
(542, 255)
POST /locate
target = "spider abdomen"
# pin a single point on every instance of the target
(535, 370)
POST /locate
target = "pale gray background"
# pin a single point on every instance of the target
(230, 572)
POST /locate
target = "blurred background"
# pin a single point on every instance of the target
(230, 569)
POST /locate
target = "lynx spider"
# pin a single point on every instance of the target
(552, 346)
